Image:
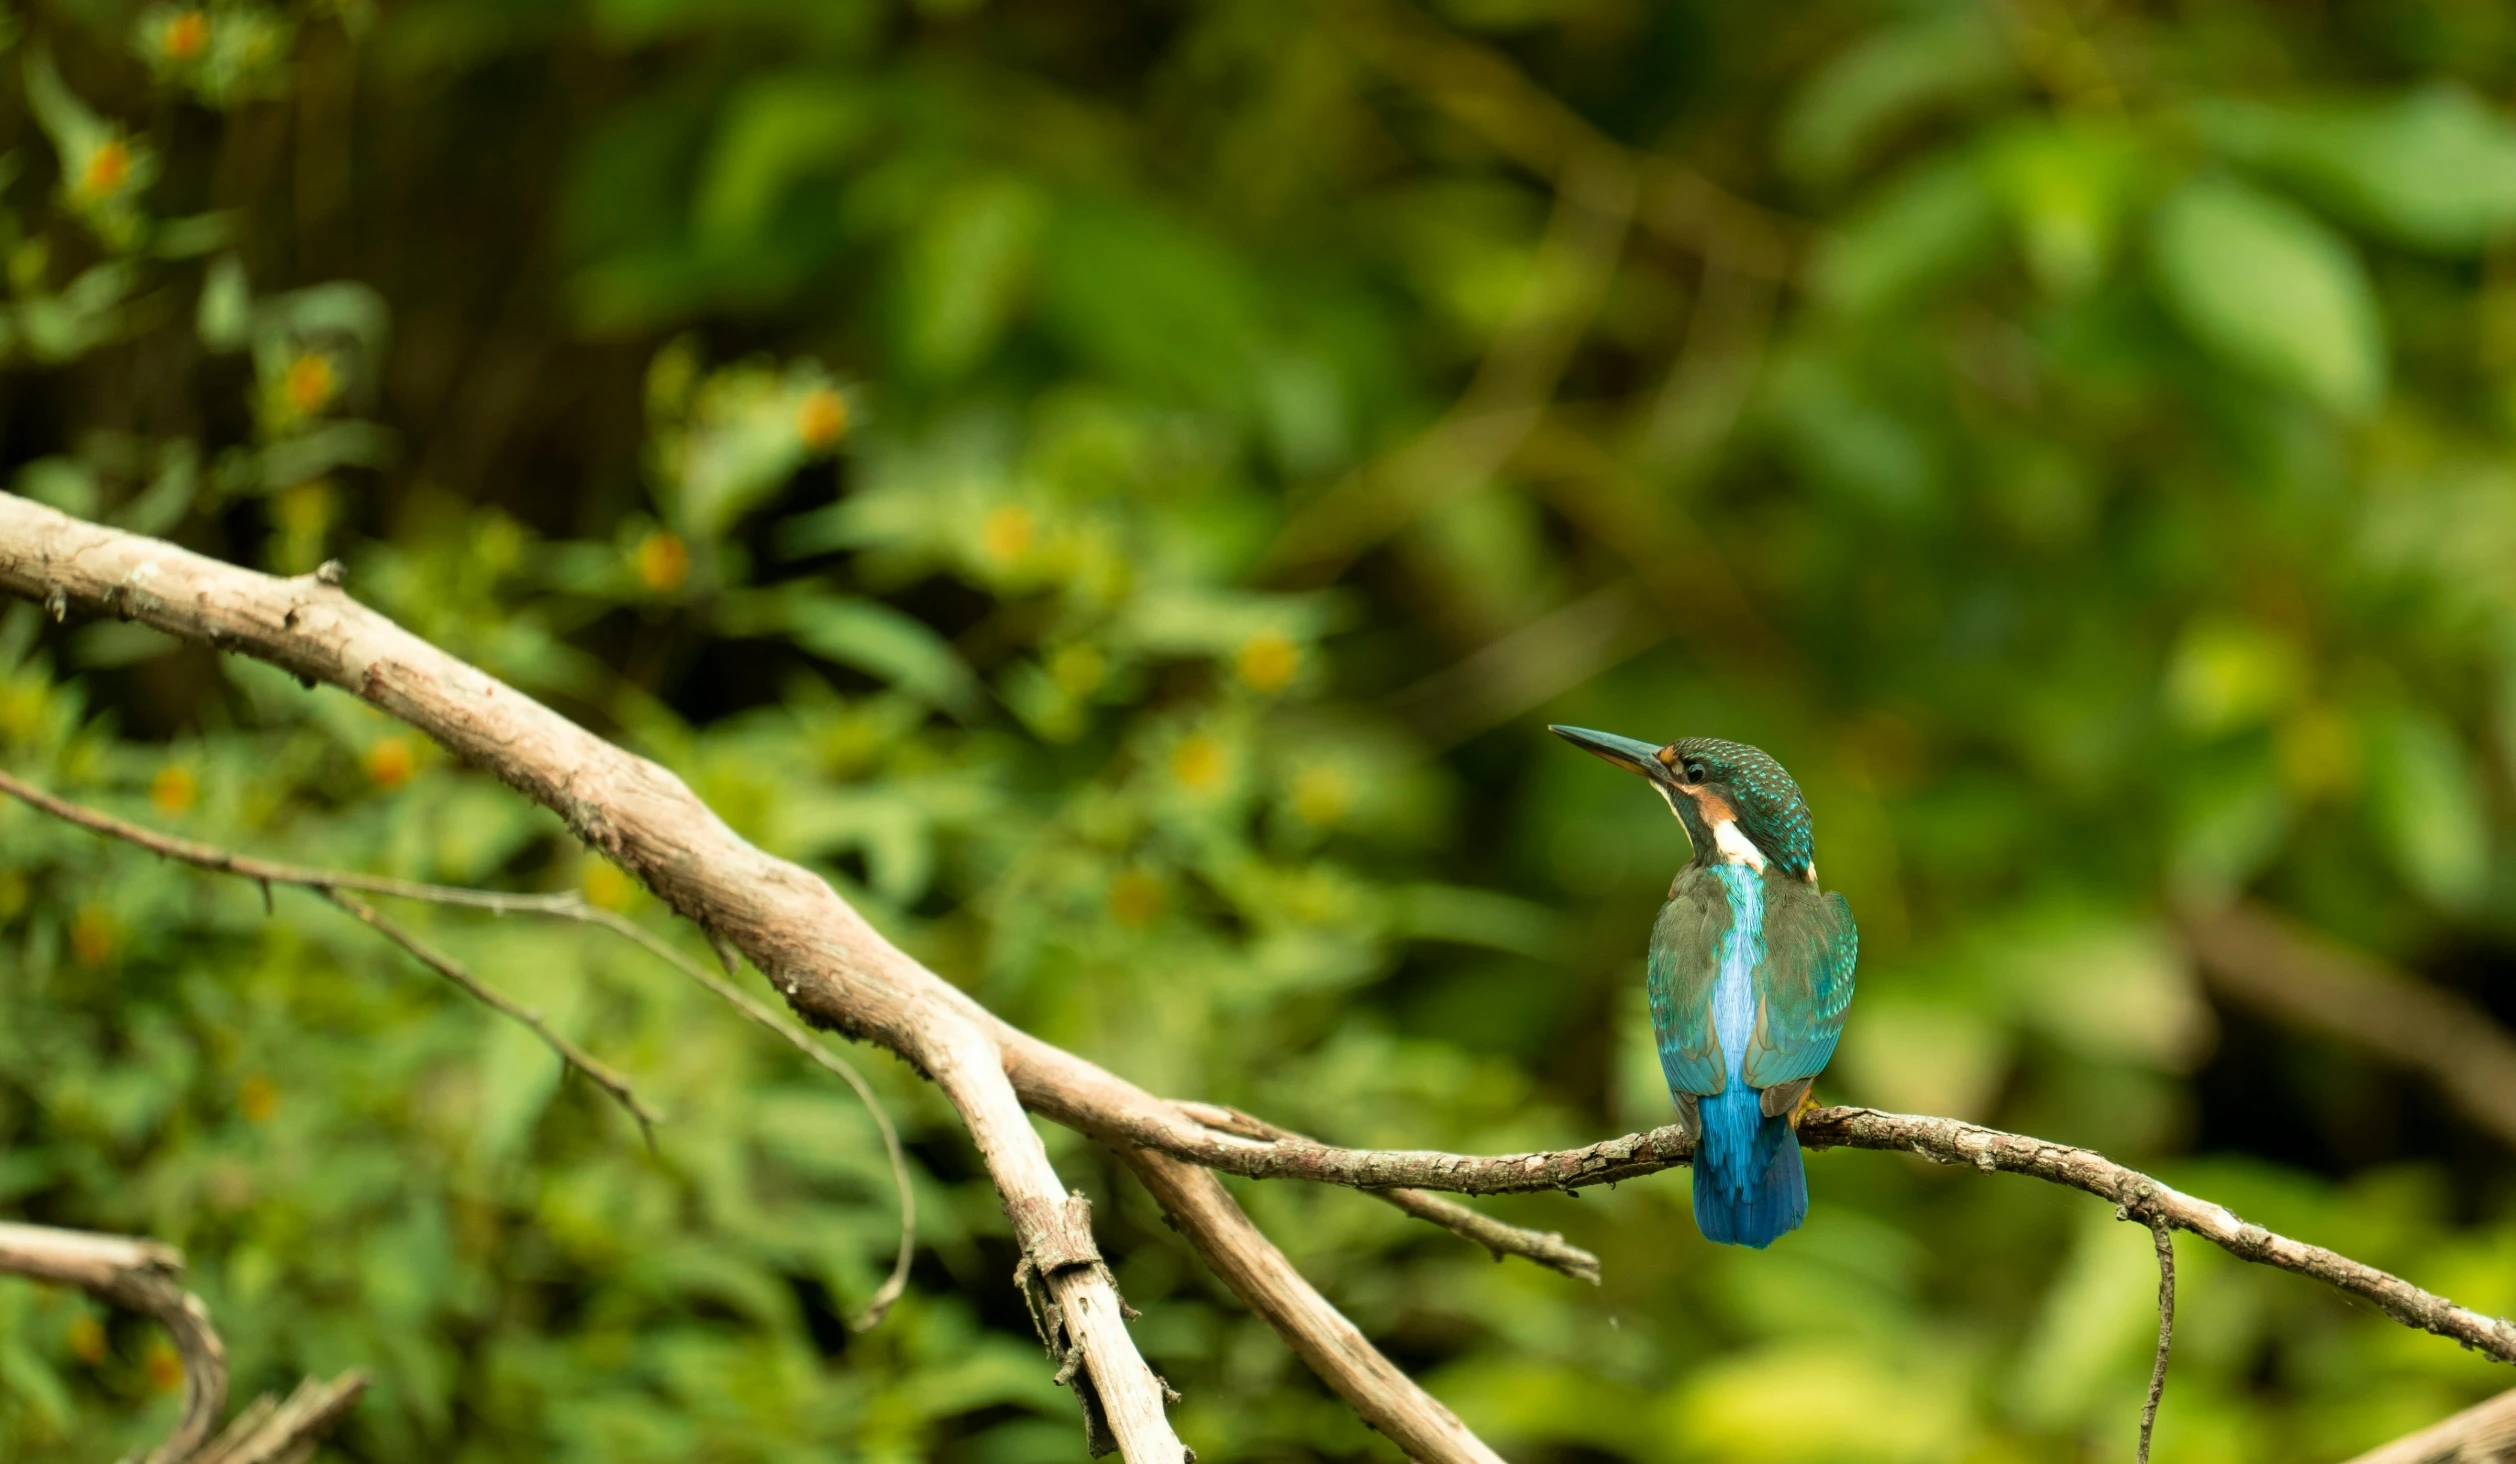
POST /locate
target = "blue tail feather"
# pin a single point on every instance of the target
(1749, 1188)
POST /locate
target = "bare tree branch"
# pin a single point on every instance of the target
(146, 1276)
(1318, 1333)
(564, 906)
(1545, 1247)
(838, 972)
(600, 1073)
(270, 1431)
(2166, 1334)
(2485, 1433)
(833, 966)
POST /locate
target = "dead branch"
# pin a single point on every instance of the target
(838, 972)
(833, 967)
(146, 1277)
(1318, 1333)
(2166, 1336)
(331, 883)
(2485, 1433)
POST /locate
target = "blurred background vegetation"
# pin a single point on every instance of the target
(1118, 487)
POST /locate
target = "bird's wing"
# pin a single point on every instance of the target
(1804, 983)
(1685, 957)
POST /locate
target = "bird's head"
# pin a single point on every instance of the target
(1737, 804)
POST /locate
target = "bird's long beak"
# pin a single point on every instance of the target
(1625, 752)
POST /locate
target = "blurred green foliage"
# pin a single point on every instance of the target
(1116, 487)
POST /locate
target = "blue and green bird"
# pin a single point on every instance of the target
(1750, 974)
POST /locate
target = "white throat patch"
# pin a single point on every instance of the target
(1736, 847)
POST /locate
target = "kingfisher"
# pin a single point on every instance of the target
(1749, 977)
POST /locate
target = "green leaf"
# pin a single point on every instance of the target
(2270, 291)
(964, 271)
(1853, 106)
(1927, 228)
(2431, 815)
(874, 638)
(777, 132)
(2068, 187)
(2434, 169)
(224, 319)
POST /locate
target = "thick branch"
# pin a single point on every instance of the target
(831, 965)
(837, 971)
(2485, 1433)
(1317, 1332)
(146, 1277)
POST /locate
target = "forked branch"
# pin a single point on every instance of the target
(838, 972)
(147, 1277)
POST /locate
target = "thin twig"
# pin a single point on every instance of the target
(561, 906)
(603, 1076)
(269, 872)
(1545, 1247)
(837, 971)
(2166, 1333)
(1943, 1140)
(743, 1001)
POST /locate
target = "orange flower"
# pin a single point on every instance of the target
(165, 1369)
(391, 762)
(174, 790)
(663, 561)
(107, 169)
(310, 383)
(822, 419)
(187, 35)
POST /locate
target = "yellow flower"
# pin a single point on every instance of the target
(1135, 899)
(174, 790)
(1198, 762)
(1268, 660)
(391, 762)
(1005, 534)
(87, 1340)
(663, 562)
(187, 35)
(607, 887)
(257, 1098)
(310, 383)
(822, 419)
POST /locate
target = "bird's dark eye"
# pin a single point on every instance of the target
(1694, 772)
